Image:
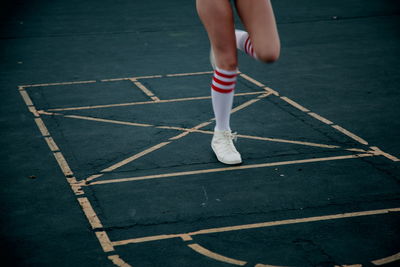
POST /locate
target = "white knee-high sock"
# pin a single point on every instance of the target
(222, 91)
(244, 44)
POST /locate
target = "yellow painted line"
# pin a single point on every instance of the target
(268, 89)
(42, 127)
(189, 74)
(104, 241)
(90, 213)
(118, 261)
(358, 150)
(387, 260)
(294, 104)
(75, 186)
(242, 167)
(145, 90)
(196, 129)
(52, 145)
(63, 163)
(249, 102)
(108, 121)
(190, 130)
(129, 78)
(33, 110)
(136, 156)
(26, 98)
(215, 256)
(258, 225)
(186, 237)
(320, 118)
(288, 141)
(252, 80)
(147, 102)
(377, 151)
(267, 265)
(145, 239)
(92, 177)
(270, 139)
(55, 84)
(350, 134)
(128, 160)
(246, 104)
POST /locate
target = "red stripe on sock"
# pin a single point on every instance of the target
(219, 90)
(245, 44)
(225, 75)
(223, 83)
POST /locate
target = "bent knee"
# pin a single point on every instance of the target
(268, 55)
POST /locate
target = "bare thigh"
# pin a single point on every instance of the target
(217, 18)
(259, 19)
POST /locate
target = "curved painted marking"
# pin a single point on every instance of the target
(267, 265)
(118, 261)
(386, 260)
(215, 256)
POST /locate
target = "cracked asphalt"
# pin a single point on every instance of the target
(140, 186)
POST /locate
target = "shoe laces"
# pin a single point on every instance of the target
(232, 136)
(227, 140)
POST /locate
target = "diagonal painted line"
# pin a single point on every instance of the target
(196, 129)
(215, 256)
(387, 260)
(145, 90)
(258, 225)
(126, 161)
(156, 147)
(147, 102)
(56, 84)
(234, 168)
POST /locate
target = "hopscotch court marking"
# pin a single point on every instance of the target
(94, 221)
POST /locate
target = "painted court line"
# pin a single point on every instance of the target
(90, 213)
(350, 134)
(294, 104)
(118, 261)
(215, 256)
(127, 160)
(320, 118)
(107, 121)
(195, 129)
(129, 78)
(136, 156)
(387, 260)
(145, 90)
(95, 224)
(55, 84)
(189, 74)
(234, 168)
(26, 98)
(377, 151)
(104, 241)
(147, 102)
(252, 80)
(258, 225)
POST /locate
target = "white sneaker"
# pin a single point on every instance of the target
(212, 58)
(224, 149)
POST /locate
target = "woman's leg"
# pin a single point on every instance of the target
(217, 18)
(259, 20)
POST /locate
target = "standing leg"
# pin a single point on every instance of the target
(217, 18)
(262, 40)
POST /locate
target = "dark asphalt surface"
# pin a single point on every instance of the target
(339, 59)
